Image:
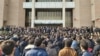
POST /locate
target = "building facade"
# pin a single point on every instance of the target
(65, 13)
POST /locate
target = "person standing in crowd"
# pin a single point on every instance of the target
(84, 48)
(8, 48)
(96, 50)
(51, 50)
(26, 40)
(67, 50)
(74, 43)
(22, 44)
(17, 50)
(29, 46)
(38, 51)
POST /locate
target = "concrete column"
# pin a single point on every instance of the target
(97, 13)
(93, 11)
(63, 13)
(33, 13)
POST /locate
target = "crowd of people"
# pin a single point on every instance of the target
(49, 41)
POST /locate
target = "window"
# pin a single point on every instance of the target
(49, 25)
(28, 17)
(28, 0)
(68, 19)
(48, 0)
(49, 14)
(69, 0)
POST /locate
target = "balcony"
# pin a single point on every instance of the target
(48, 22)
(70, 5)
(49, 5)
(27, 5)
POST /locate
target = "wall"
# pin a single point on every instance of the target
(97, 13)
(82, 13)
(16, 12)
(1, 12)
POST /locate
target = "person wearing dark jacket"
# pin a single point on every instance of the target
(8, 48)
(84, 48)
(51, 50)
(96, 50)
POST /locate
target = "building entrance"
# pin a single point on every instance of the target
(48, 25)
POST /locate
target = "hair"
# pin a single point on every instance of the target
(31, 41)
(84, 37)
(73, 37)
(79, 37)
(1, 41)
(68, 42)
(7, 47)
(38, 41)
(84, 44)
(97, 41)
